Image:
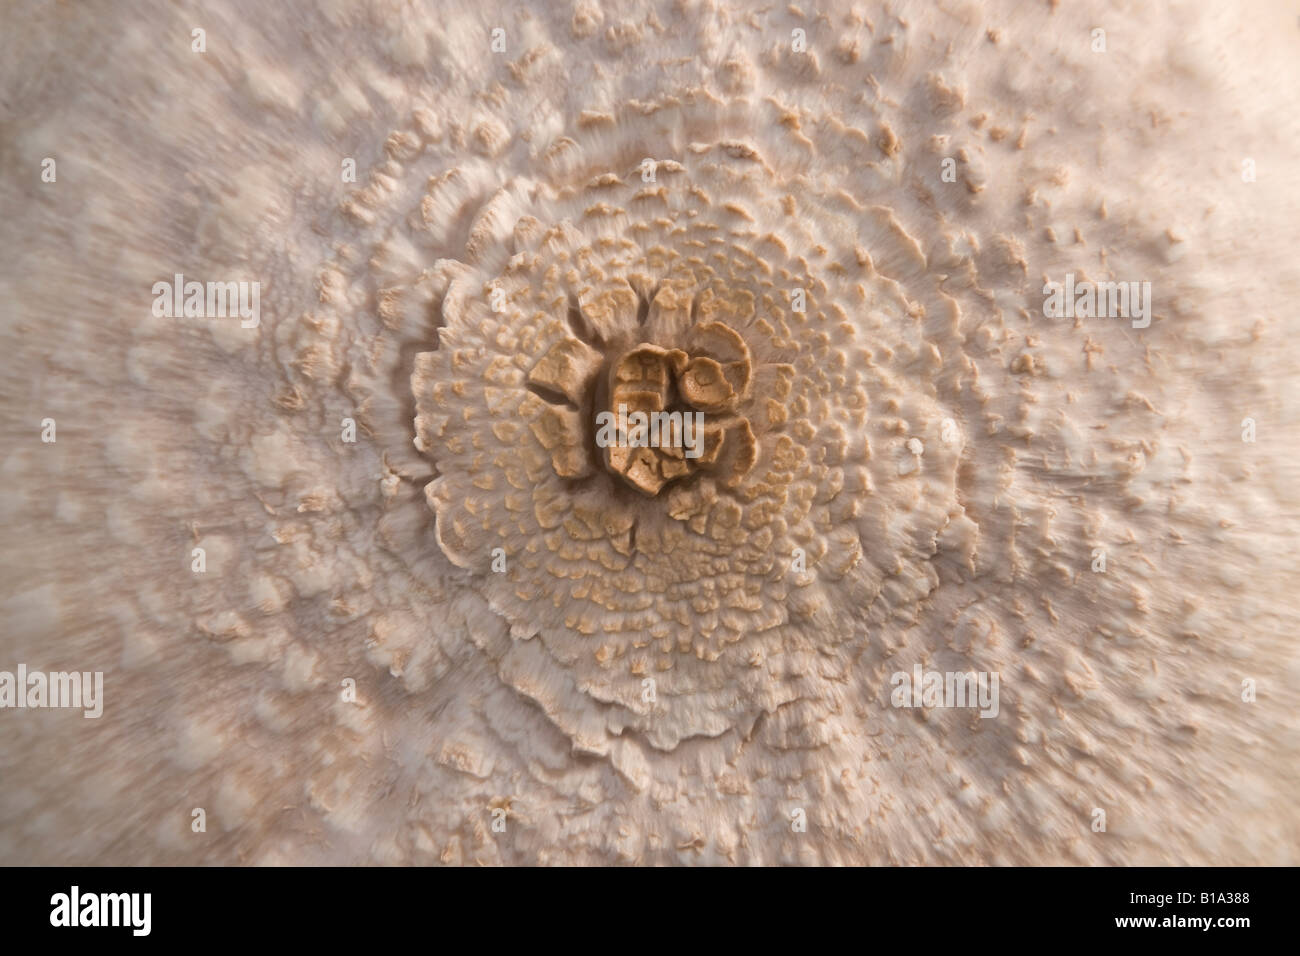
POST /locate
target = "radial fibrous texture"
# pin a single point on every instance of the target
(446, 613)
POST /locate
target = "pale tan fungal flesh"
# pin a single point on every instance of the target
(642, 656)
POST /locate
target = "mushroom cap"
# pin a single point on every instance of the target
(362, 582)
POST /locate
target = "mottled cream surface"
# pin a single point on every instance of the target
(462, 632)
